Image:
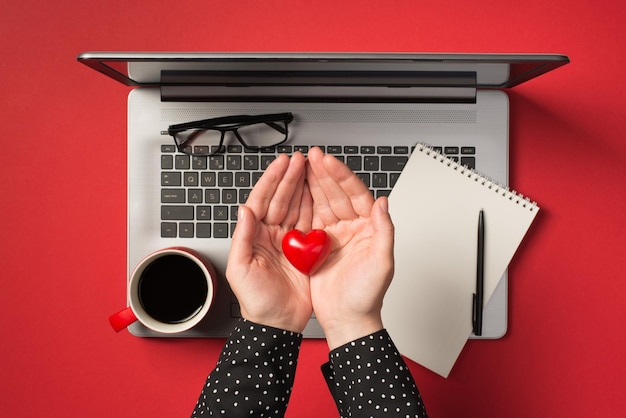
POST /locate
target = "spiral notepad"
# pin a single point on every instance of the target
(434, 206)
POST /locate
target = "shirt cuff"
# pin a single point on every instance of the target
(254, 374)
(368, 375)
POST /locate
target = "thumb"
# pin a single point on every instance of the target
(243, 237)
(383, 226)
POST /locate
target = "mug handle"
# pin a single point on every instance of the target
(122, 319)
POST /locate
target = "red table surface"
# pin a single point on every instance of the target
(63, 212)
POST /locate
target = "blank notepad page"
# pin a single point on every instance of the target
(434, 207)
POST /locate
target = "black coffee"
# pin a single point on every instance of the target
(172, 289)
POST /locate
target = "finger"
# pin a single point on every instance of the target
(288, 185)
(322, 212)
(305, 219)
(352, 187)
(261, 195)
(293, 212)
(338, 201)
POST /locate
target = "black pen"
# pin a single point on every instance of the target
(477, 320)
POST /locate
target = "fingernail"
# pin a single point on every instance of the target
(384, 205)
(240, 212)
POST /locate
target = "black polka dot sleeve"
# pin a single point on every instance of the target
(254, 374)
(369, 378)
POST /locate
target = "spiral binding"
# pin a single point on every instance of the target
(491, 184)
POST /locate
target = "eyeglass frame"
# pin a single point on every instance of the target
(233, 124)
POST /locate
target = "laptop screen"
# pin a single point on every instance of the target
(322, 69)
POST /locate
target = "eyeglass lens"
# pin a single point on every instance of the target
(257, 136)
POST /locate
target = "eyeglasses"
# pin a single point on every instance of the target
(206, 137)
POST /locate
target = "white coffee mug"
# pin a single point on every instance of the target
(170, 291)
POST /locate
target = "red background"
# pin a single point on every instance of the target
(63, 212)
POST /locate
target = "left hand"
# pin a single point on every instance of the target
(269, 289)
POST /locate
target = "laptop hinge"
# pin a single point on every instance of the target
(317, 86)
(318, 94)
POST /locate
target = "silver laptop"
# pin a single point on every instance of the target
(367, 109)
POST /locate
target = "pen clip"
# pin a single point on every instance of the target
(475, 315)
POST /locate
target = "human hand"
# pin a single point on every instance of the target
(269, 289)
(347, 291)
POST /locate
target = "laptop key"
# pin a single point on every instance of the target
(190, 178)
(170, 178)
(470, 162)
(198, 162)
(220, 230)
(172, 195)
(393, 163)
(251, 162)
(225, 179)
(174, 213)
(203, 230)
(371, 163)
(186, 230)
(207, 179)
(233, 162)
(229, 196)
(181, 162)
(167, 162)
(168, 230)
(212, 196)
(220, 213)
(194, 196)
(242, 179)
(379, 180)
(266, 160)
(365, 178)
(216, 162)
(393, 178)
(234, 212)
(255, 177)
(243, 195)
(354, 162)
(203, 213)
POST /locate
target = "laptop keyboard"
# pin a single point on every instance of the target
(200, 196)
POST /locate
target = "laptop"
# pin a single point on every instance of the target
(368, 109)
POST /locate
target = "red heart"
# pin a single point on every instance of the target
(307, 252)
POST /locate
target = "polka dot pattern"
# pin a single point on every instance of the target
(369, 378)
(254, 374)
